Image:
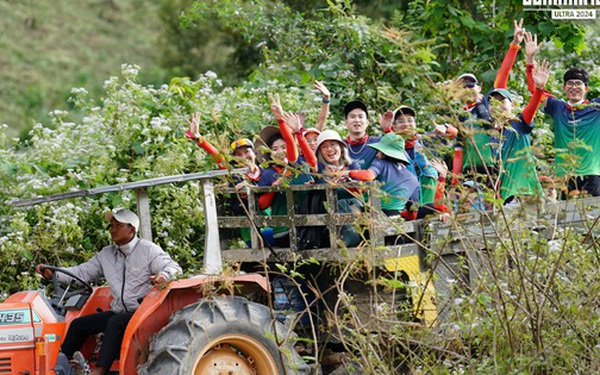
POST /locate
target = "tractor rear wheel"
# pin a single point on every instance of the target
(226, 335)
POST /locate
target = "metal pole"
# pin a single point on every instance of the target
(213, 264)
(143, 208)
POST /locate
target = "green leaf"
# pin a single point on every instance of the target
(467, 21)
(9, 168)
(138, 148)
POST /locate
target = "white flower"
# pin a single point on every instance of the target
(78, 90)
(130, 70)
(58, 112)
(555, 245)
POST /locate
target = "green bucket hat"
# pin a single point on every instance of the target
(502, 92)
(392, 145)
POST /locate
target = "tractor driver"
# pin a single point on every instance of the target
(130, 266)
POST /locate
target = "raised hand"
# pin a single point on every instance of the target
(386, 120)
(440, 167)
(439, 129)
(531, 47)
(292, 120)
(541, 75)
(195, 123)
(323, 90)
(276, 107)
(519, 32)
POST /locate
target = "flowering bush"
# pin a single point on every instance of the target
(532, 310)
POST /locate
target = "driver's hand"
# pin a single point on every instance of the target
(47, 274)
(158, 279)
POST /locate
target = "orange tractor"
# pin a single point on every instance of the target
(206, 324)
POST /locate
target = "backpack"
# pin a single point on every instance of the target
(312, 237)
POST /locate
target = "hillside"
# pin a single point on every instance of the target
(50, 46)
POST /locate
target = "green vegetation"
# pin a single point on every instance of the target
(49, 47)
(125, 124)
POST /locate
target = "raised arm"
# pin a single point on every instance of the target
(292, 120)
(445, 130)
(201, 141)
(290, 143)
(322, 119)
(531, 48)
(540, 78)
(276, 107)
(501, 80)
(386, 121)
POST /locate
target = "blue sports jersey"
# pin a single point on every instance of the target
(362, 154)
(400, 184)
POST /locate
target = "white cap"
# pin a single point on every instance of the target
(468, 77)
(124, 216)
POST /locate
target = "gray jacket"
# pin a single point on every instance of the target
(127, 271)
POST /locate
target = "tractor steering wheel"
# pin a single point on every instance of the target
(62, 294)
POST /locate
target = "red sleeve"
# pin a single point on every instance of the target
(209, 148)
(409, 215)
(501, 80)
(440, 195)
(532, 106)
(457, 164)
(266, 200)
(440, 190)
(530, 83)
(443, 208)
(362, 174)
(290, 143)
(309, 155)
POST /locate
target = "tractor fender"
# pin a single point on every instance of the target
(161, 302)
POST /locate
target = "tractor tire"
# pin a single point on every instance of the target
(225, 335)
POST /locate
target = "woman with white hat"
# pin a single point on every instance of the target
(333, 163)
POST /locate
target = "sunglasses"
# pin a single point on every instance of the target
(469, 85)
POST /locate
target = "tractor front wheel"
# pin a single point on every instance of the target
(227, 335)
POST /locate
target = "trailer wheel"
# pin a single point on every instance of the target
(226, 335)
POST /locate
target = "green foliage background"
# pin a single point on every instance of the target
(132, 126)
